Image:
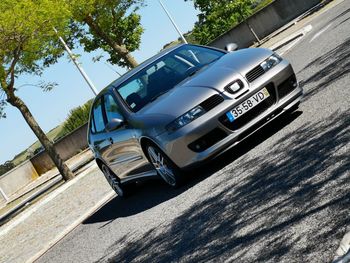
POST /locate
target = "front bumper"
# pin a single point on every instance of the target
(221, 135)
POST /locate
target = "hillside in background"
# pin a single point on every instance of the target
(76, 118)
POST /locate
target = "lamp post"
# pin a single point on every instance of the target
(74, 59)
(173, 22)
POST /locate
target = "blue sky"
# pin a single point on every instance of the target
(51, 108)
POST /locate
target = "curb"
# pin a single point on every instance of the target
(22, 216)
(22, 204)
(55, 180)
(70, 228)
(342, 254)
(299, 34)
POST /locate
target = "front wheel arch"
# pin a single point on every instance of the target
(177, 173)
(100, 163)
(144, 141)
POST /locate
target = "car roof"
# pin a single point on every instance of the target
(137, 69)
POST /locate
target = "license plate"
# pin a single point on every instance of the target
(247, 105)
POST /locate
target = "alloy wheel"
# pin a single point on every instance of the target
(162, 165)
(113, 181)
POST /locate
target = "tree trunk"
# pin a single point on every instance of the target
(131, 60)
(48, 145)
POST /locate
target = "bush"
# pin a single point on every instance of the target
(76, 118)
(7, 166)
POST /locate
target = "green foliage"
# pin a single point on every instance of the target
(188, 36)
(217, 16)
(28, 42)
(7, 166)
(112, 25)
(26, 28)
(76, 118)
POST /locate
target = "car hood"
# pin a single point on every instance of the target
(176, 102)
(206, 82)
(232, 65)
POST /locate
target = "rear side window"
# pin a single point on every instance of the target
(92, 125)
(112, 108)
(98, 116)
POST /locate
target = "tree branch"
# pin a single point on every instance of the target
(95, 27)
(11, 71)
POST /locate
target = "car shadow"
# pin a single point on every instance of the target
(147, 194)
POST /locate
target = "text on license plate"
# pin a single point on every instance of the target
(248, 104)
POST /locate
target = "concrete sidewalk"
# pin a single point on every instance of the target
(286, 37)
(34, 231)
(42, 184)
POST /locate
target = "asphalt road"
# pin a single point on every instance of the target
(281, 196)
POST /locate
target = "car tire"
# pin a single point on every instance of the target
(114, 181)
(166, 169)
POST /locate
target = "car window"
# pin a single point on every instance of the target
(111, 108)
(165, 73)
(92, 125)
(98, 116)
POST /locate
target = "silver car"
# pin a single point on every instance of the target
(185, 105)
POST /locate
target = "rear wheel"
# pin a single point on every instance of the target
(165, 168)
(113, 181)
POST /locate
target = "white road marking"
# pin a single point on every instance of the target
(281, 47)
(320, 32)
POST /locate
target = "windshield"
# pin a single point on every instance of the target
(165, 73)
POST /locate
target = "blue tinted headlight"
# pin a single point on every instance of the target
(186, 118)
(271, 62)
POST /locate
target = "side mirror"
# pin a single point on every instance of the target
(114, 124)
(230, 47)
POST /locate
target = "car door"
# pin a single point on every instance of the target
(124, 155)
(97, 136)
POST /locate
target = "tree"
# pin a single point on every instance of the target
(217, 16)
(7, 166)
(112, 25)
(76, 118)
(28, 44)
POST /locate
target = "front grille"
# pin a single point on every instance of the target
(255, 73)
(207, 140)
(211, 102)
(253, 113)
(287, 86)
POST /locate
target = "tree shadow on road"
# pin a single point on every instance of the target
(335, 65)
(259, 217)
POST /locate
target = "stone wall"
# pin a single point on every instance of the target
(17, 178)
(264, 22)
(66, 147)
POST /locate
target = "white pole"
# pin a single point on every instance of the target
(173, 22)
(74, 59)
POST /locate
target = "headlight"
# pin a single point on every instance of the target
(271, 62)
(186, 118)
